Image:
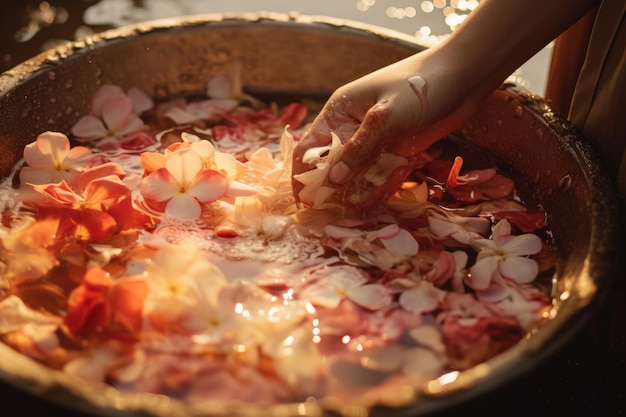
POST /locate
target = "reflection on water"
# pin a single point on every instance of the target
(29, 27)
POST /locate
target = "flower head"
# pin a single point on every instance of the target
(504, 256)
(51, 160)
(183, 184)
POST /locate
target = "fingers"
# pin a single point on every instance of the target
(364, 145)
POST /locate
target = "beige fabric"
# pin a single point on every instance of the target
(598, 107)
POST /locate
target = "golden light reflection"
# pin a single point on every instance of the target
(448, 378)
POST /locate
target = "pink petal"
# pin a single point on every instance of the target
(159, 186)
(133, 124)
(116, 111)
(442, 228)
(99, 171)
(140, 101)
(106, 188)
(482, 272)
(77, 157)
(180, 116)
(208, 185)
(528, 244)
(184, 207)
(402, 243)
(60, 193)
(89, 127)
(420, 299)
(337, 232)
(103, 94)
(371, 296)
(522, 270)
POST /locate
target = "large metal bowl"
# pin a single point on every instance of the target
(552, 165)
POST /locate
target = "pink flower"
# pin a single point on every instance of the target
(504, 256)
(183, 184)
(50, 160)
(113, 114)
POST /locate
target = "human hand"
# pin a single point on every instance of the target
(391, 111)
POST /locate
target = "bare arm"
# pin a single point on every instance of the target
(383, 112)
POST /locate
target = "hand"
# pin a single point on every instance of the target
(390, 111)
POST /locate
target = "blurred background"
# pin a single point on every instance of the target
(30, 27)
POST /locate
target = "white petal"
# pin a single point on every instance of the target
(522, 270)
(402, 243)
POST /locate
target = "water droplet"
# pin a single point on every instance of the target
(50, 121)
(548, 173)
(518, 112)
(69, 84)
(52, 75)
(499, 123)
(53, 99)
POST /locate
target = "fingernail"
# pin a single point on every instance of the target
(339, 172)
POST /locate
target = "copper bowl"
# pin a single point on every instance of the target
(552, 165)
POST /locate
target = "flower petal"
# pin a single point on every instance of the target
(184, 207)
(371, 296)
(527, 244)
(89, 128)
(183, 165)
(116, 111)
(482, 272)
(208, 185)
(522, 270)
(402, 243)
(159, 186)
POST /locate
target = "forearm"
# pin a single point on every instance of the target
(500, 35)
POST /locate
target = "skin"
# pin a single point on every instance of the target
(380, 112)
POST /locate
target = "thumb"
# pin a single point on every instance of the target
(362, 147)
